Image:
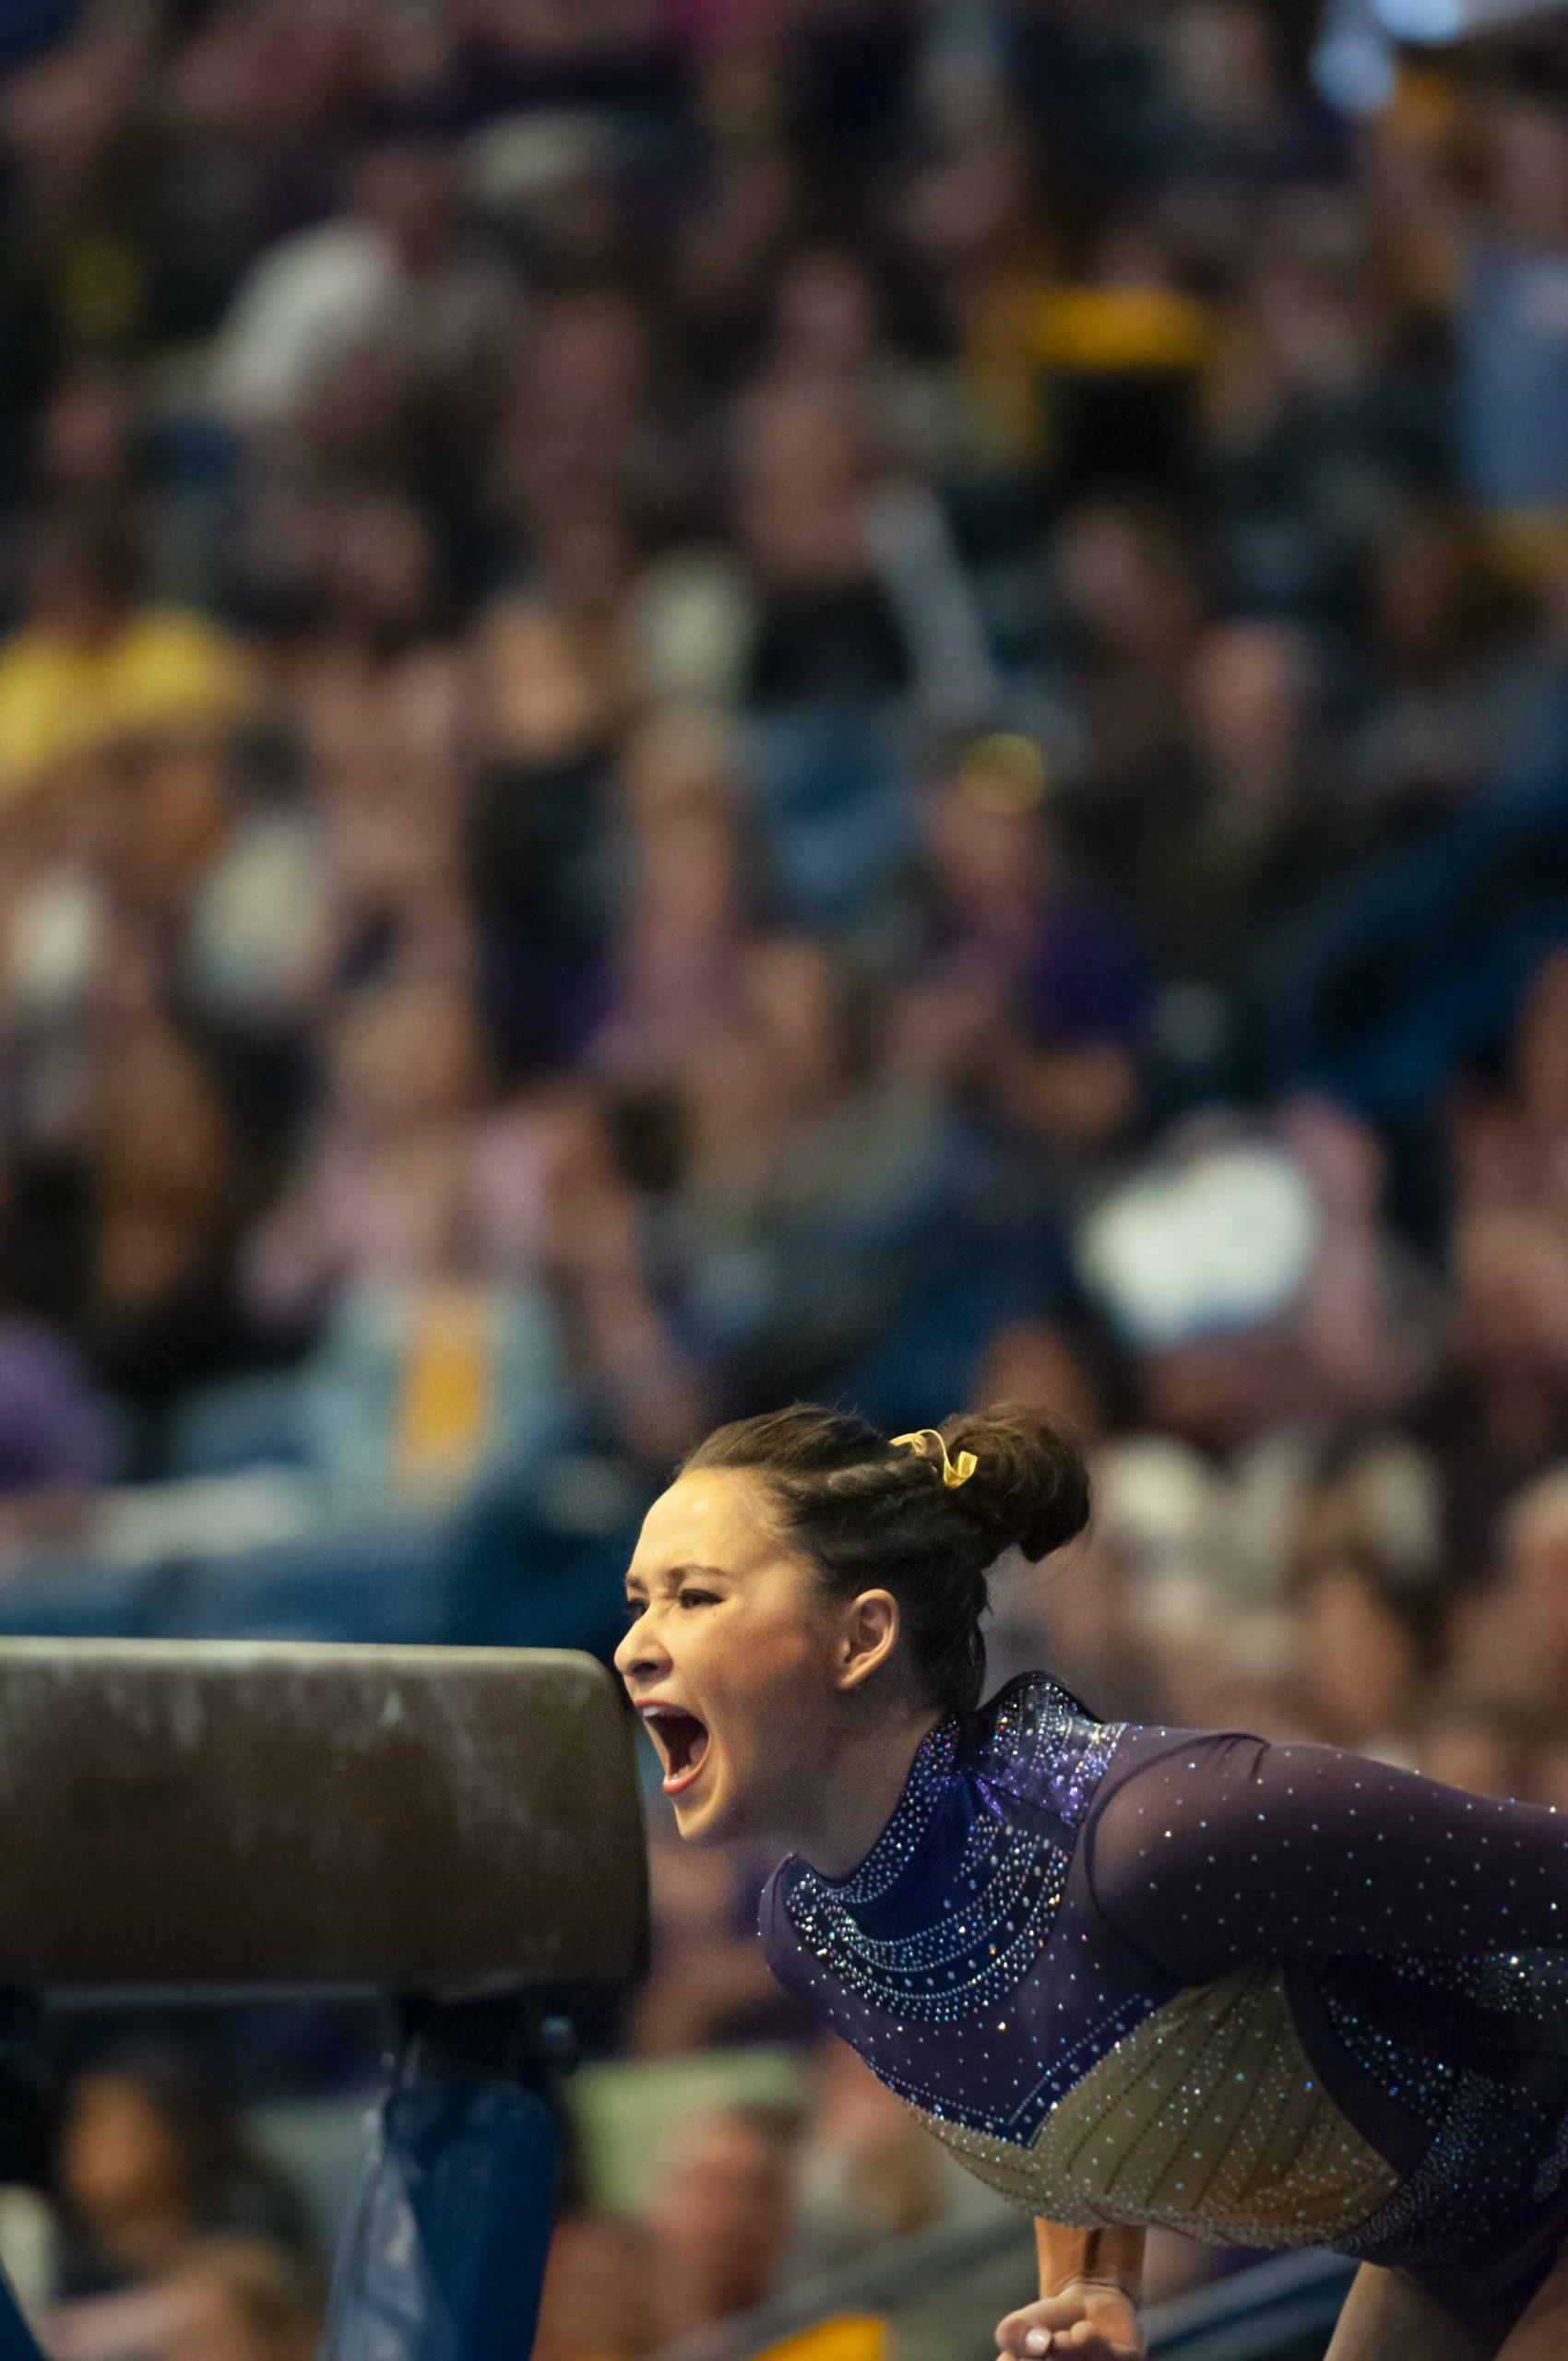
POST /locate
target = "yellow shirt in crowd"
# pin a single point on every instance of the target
(59, 699)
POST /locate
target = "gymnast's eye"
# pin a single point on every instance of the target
(707, 1595)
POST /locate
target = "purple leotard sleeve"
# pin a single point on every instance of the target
(1214, 1846)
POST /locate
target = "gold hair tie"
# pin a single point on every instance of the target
(957, 1471)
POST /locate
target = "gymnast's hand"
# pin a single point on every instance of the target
(1091, 2321)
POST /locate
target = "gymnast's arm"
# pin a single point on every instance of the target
(1221, 1847)
(1112, 2257)
(1090, 2285)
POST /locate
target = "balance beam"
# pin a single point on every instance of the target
(458, 1830)
(225, 1817)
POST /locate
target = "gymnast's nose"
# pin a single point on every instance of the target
(637, 1652)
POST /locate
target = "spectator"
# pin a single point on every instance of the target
(1470, 1741)
(1034, 997)
(865, 2172)
(1495, 1416)
(1366, 1651)
(704, 1989)
(1516, 1633)
(721, 2215)
(393, 280)
(152, 2154)
(92, 667)
(1133, 599)
(829, 628)
(693, 897)
(1441, 620)
(405, 1076)
(804, 1151)
(1254, 831)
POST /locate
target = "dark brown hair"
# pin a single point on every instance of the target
(873, 1516)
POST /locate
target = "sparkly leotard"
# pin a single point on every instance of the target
(1265, 1995)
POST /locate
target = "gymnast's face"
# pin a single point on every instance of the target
(731, 1627)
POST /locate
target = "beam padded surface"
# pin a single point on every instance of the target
(235, 1816)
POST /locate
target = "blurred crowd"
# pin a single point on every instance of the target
(704, 701)
(161, 2232)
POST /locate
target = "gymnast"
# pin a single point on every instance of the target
(1267, 1995)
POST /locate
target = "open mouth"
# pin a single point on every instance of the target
(682, 1739)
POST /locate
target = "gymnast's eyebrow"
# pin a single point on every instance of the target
(678, 1573)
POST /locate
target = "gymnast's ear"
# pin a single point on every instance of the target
(868, 1631)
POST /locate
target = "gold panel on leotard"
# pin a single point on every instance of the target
(1209, 2119)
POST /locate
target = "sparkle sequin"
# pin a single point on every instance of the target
(1275, 1995)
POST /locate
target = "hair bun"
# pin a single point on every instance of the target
(1030, 1485)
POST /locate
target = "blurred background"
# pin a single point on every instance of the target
(711, 700)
